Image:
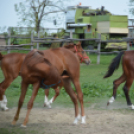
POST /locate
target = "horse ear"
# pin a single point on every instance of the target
(66, 46)
(70, 45)
(79, 43)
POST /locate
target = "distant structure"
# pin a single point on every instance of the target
(2, 41)
(83, 22)
(131, 27)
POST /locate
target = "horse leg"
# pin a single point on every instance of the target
(46, 101)
(30, 103)
(116, 84)
(21, 100)
(55, 96)
(80, 98)
(3, 86)
(126, 91)
(3, 103)
(73, 96)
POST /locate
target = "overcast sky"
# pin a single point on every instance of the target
(8, 16)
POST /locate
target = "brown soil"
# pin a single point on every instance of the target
(60, 121)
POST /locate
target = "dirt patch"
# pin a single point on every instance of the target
(59, 121)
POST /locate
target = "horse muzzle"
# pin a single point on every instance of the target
(87, 62)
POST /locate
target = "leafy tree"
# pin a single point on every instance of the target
(131, 5)
(36, 12)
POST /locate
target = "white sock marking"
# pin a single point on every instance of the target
(132, 107)
(23, 126)
(111, 100)
(83, 120)
(46, 102)
(51, 101)
(76, 119)
(3, 103)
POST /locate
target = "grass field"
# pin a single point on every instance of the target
(96, 91)
(93, 85)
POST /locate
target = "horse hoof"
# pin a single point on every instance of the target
(108, 103)
(48, 106)
(83, 123)
(75, 123)
(24, 126)
(111, 100)
(83, 120)
(132, 107)
(5, 109)
(13, 123)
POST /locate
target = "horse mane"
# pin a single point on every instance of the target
(79, 43)
(70, 45)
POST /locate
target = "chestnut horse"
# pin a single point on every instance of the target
(33, 71)
(77, 49)
(11, 64)
(127, 75)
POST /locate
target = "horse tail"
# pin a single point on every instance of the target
(114, 65)
(1, 56)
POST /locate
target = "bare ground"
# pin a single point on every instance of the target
(59, 121)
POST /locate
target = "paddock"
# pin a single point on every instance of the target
(58, 120)
(100, 119)
(116, 118)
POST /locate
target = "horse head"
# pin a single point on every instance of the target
(77, 48)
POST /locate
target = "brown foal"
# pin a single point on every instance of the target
(34, 70)
(11, 64)
(82, 56)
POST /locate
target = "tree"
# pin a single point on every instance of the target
(131, 5)
(35, 12)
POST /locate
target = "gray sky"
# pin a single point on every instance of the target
(8, 16)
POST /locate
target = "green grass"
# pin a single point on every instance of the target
(91, 79)
(96, 91)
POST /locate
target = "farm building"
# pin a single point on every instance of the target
(85, 22)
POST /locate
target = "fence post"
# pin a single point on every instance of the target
(38, 38)
(99, 49)
(128, 42)
(8, 50)
(128, 45)
(31, 41)
(71, 34)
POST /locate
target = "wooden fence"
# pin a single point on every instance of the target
(51, 40)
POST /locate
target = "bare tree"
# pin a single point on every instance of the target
(36, 12)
